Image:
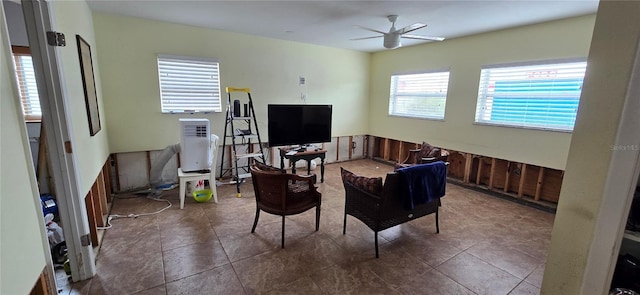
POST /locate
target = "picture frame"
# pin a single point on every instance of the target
(89, 85)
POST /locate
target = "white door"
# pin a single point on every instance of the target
(53, 101)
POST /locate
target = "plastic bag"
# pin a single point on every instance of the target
(54, 231)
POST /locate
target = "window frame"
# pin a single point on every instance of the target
(483, 85)
(216, 98)
(25, 98)
(393, 94)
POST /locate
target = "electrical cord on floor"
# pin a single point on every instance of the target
(132, 215)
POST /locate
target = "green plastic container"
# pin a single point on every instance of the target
(202, 196)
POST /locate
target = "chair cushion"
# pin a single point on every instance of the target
(369, 184)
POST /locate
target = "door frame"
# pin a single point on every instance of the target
(38, 17)
(619, 189)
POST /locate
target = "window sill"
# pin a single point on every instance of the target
(192, 112)
(523, 127)
(416, 117)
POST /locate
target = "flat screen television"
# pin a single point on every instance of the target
(295, 124)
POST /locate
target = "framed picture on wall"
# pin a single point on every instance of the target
(89, 85)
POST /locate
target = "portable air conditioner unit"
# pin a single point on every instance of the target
(196, 138)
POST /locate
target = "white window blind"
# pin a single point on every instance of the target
(419, 95)
(538, 96)
(26, 77)
(189, 84)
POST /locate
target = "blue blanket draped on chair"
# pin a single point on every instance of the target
(424, 183)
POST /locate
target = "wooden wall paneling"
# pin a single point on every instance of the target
(350, 147)
(365, 146)
(492, 173)
(115, 161)
(106, 171)
(93, 231)
(520, 179)
(530, 181)
(394, 146)
(386, 149)
(552, 183)
(473, 169)
(507, 177)
(373, 146)
(148, 159)
(500, 173)
(485, 173)
(523, 176)
(513, 175)
(515, 170)
(456, 165)
(539, 184)
(525, 180)
(41, 287)
(337, 149)
(479, 170)
(97, 206)
(468, 158)
(376, 150)
(102, 195)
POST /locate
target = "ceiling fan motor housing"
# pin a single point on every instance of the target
(391, 41)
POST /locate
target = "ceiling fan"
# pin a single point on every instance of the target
(392, 38)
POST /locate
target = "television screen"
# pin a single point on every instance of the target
(298, 124)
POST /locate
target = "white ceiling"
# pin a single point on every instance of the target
(332, 23)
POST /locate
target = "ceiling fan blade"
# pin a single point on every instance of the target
(411, 28)
(423, 37)
(364, 38)
(372, 30)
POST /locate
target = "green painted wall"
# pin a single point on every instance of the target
(91, 152)
(271, 68)
(464, 57)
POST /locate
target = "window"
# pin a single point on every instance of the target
(537, 96)
(189, 84)
(419, 95)
(26, 78)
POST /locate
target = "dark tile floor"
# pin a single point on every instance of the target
(486, 245)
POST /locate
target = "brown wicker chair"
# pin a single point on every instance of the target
(425, 154)
(381, 206)
(284, 194)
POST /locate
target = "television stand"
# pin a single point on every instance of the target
(303, 154)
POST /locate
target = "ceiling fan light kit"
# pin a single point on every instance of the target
(392, 38)
(391, 41)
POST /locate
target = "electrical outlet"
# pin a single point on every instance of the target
(303, 96)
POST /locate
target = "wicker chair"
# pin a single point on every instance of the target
(284, 194)
(381, 208)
